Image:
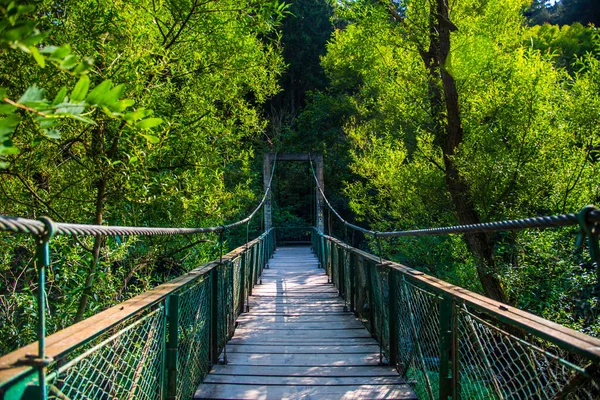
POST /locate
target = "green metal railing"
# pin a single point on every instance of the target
(157, 345)
(449, 342)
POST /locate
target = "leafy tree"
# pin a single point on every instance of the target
(205, 68)
(565, 45)
(452, 112)
(304, 33)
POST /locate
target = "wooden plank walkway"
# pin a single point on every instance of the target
(297, 342)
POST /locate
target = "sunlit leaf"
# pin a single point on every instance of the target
(148, 123)
(80, 90)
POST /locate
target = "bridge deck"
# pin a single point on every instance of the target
(297, 342)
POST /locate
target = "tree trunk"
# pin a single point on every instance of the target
(480, 244)
(89, 281)
(447, 128)
(102, 183)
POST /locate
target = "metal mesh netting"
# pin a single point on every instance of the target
(124, 363)
(496, 364)
(225, 303)
(379, 290)
(335, 270)
(486, 358)
(418, 326)
(193, 337)
(347, 275)
(237, 286)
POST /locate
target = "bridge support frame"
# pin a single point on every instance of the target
(317, 160)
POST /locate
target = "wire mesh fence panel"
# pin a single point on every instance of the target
(448, 343)
(124, 363)
(363, 301)
(379, 305)
(347, 275)
(335, 270)
(225, 302)
(237, 285)
(193, 337)
(495, 364)
(418, 326)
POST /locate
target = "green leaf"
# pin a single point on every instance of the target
(46, 122)
(152, 139)
(60, 96)
(57, 53)
(148, 123)
(33, 95)
(3, 165)
(69, 62)
(80, 90)
(8, 125)
(25, 9)
(70, 109)
(7, 108)
(137, 114)
(111, 99)
(10, 150)
(37, 56)
(120, 106)
(52, 134)
(97, 94)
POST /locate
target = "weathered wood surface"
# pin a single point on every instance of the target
(297, 342)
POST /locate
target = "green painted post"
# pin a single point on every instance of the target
(250, 270)
(369, 274)
(446, 310)
(392, 317)
(332, 256)
(214, 314)
(43, 262)
(172, 345)
(455, 359)
(342, 275)
(322, 253)
(242, 298)
(352, 281)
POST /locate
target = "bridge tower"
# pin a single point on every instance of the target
(317, 160)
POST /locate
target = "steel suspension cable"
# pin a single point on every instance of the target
(589, 215)
(35, 227)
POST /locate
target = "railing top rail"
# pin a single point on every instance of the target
(560, 335)
(71, 337)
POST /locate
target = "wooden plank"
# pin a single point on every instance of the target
(305, 333)
(297, 342)
(313, 360)
(281, 371)
(296, 319)
(304, 380)
(265, 348)
(263, 392)
(262, 339)
(343, 324)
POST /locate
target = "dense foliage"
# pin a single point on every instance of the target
(156, 112)
(465, 115)
(203, 67)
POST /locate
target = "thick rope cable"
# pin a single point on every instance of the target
(592, 217)
(35, 227)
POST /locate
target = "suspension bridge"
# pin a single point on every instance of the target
(301, 314)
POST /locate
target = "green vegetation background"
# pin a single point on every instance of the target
(157, 114)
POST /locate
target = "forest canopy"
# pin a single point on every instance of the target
(428, 112)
